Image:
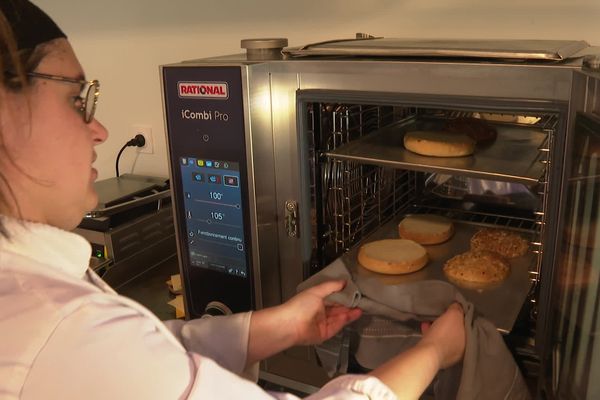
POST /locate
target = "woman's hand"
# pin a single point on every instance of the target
(446, 335)
(312, 319)
(443, 344)
(304, 319)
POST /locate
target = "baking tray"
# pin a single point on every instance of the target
(386, 148)
(500, 304)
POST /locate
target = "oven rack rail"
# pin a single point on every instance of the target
(356, 190)
(354, 121)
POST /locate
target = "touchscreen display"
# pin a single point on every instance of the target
(213, 215)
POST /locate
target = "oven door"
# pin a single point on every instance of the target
(571, 353)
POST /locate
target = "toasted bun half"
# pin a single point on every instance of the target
(439, 143)
(426, 229)
(506, 243)
(393, 256)
(477, 267)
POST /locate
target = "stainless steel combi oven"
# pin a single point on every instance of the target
(283, 161)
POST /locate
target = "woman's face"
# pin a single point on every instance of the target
(50, 145)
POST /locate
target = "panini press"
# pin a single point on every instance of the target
(131, 230)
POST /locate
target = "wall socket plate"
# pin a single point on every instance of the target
(145, 130)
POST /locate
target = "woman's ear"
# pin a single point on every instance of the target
(15, 116)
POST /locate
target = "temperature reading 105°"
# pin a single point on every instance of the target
(216, 195)
(217, 215)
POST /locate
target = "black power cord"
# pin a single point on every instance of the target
(138, 141)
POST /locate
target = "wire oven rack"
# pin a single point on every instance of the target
(352, 199)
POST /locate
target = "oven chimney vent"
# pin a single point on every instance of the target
(264, 49)
(591, 62)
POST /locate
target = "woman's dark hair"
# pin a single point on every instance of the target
(25, 35)
(14, 65)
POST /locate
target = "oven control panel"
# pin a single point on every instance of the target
(214, 221)
(207, 147)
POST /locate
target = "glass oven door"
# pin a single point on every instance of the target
(572, 354)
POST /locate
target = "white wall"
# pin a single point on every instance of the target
(123, 42)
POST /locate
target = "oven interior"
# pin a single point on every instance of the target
(358, 186)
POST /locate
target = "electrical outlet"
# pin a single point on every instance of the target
(145, 130)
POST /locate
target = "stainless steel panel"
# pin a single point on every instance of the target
(500, 304)
(488, 162)
(515, 81)
(261, 178)
(547, 50)
(294, 254)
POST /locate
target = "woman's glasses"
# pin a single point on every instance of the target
(90, 91)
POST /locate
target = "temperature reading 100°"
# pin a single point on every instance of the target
(216, 195)
(218, 216)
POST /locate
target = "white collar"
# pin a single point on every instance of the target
(58, 249)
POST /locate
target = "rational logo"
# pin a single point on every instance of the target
(203, 90)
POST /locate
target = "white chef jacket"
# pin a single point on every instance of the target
(66, 335)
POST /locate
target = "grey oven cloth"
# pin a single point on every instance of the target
(488, 370)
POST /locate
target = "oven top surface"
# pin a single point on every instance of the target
(540, 50)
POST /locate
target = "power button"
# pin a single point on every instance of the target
(206, 137)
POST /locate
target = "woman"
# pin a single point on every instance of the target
(66, 334)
